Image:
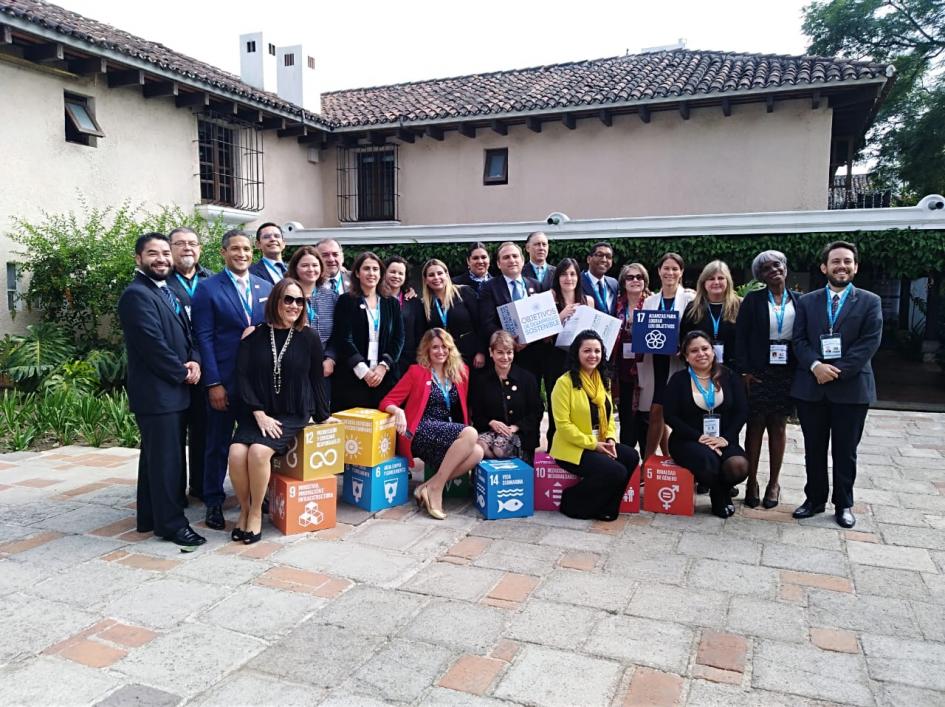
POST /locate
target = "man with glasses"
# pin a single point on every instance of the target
(595, 281)
(187, 275)
(270, 243)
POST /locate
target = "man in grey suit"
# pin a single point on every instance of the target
(837, 330)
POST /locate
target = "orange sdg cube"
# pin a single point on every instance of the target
(668, 487)
(302, 506)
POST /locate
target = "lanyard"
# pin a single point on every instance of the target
(189, 289)
(715, 322)
(339, 283)
(245, 297)
(601, 304)
(832, 317)
(671, 307)
(273, 270)
(707, 395)
(376, 317)
(312, 308)
(539, 271)
(444, 313)
(444, 388)
(779, 311)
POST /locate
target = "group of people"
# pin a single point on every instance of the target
(238, 362)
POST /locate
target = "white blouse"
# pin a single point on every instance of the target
(787, 329)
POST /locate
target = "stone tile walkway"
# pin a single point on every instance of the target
(399, 608)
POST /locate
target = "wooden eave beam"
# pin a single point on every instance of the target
(295, 130)
(533, 124)
(250, 115)
(88, 67)
(377, 138)
(317, 139)
(350, 139)
(645, 114)
(500, 127)
(44, 53)
(6, 35)
(406, 135)
(606, 117)
(273, 122)
(570, 122)
(815, 100)
(158, 89)
(769, 104)
(127, 77)
(435, 132)
(199, 99)
(467, 130)
(727, 107)
(684, 110)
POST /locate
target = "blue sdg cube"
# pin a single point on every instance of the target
(375, 488)
(505, 488)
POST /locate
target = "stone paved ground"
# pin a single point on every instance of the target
(758, 609)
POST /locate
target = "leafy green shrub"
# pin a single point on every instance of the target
(38, 353)
(55, 414)
(90, 416)
(17, 412)
(72, 377)
(124, 427)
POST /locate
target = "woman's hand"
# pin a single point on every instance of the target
(479, 360)
(716, 444)
(400, 420)
(500, 428)
(568, 311)
(328, 367)
(609, 448)
(374, 377)
(268, 426)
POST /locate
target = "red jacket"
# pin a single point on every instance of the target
(414, 388)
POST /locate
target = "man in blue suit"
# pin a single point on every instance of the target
(223, 309)
(595, 281)
(270, 243)
(837, 330)
(162, 366)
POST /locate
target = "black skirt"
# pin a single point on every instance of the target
(772, 396)
(247, 432)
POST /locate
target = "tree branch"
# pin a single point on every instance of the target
(902, 11)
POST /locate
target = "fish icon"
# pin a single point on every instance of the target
(512, 505)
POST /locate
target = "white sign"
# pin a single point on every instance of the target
(586, 317)
(530, 319)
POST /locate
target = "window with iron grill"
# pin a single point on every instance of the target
(250, 47)
(368, 184)
(272, 49)
(231, 163)
(289, 59)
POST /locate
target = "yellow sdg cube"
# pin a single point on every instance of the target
(369, 436)
(316, 452)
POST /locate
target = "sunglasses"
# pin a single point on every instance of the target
(635, 277)
(297, 301)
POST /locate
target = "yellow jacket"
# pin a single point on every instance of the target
(573, 431)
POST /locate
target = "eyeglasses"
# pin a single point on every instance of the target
(288, 300)
(604, 256)
(185, 244)
(635, 277)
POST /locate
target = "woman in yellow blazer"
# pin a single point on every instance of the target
(585, 441)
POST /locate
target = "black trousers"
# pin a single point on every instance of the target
(196, 441)
(603, 482)
(633, 425)
(216, 455)
(160, 469)
(841, 426)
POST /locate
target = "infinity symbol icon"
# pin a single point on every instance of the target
(320, 459)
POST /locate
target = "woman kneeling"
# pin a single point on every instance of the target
(706, 407)
(585, 440)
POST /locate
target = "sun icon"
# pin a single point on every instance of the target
(384, 445)
(352, 446)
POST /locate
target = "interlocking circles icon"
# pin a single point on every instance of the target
(655, 339)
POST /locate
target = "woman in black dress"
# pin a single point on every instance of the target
(444, 304)
(714, 310)
(369, 337)
(706, 408)
(395, 285)
(279, 370)
(505, 404)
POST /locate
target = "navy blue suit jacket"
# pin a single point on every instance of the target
(158, 342)
(219, 320)
(860, 325)
(546, 280)
(494, 294)
(260, 270)
(611, 285)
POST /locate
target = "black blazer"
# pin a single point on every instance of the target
(610, 283)
(860, 326)
(178, 287)
(685, 417)
(751, 333)
(259, 269)
(351, 336)
(726, 337)
(159, 343)
(494, 294)
(522, 404)
(462, 318)
(466, 279)
(544, 282)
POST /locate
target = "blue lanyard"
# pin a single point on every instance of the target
(244, 296)
(663, 307)
(312, 308)
(831, 316)
(715, 322)
(539, 271)
(439, 310)
(601, 304)
(273, 270)
(339, 284)
(444, 388)
(707, 395)
(375, 318)
(779, 311)
(189, 289)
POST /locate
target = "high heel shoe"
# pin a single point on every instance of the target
(238, 534)
(418, 495)
(772, 499)
(434, 513)
(751, 495)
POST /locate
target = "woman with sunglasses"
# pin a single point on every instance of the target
(634, 288)
(279, 372)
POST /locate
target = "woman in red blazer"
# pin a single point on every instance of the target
(434, 423)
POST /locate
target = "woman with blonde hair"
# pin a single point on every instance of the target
(432, 419)
(714, 310)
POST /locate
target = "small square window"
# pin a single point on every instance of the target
(81, 126)
(496, 168)
(250, 47)
(289, 59)
(272, 49)
(311, 62)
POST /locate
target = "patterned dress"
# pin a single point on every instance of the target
(436, 431)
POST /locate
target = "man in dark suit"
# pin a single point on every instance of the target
(188, 274)
(270, 243)
(224, 307)
(333, 256)
(538, 267)
(595, 281)
(837, 330)
(162, 366)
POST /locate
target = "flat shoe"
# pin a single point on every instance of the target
(237, 535)
(250, 538)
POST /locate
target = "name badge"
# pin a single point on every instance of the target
(830, 347)
(596, 433)
(372, 353)
(777, 354)
(628, 350)
(187, 309)
(712, 425)
(719, 352)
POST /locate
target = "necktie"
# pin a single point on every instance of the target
(171, 298)
(281, 267)
(603, 293)
(834, 304)
(338, 284)
(516, 292)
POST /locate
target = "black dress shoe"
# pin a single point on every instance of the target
(845, 517)
(214, 518)
(187, 537)
(807, 510)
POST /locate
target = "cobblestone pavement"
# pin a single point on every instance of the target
(757, 609)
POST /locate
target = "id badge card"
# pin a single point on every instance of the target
(830, 347)
(719, 352)
(777, 354)
(712, 425)
(372, 353)
(628, 350)
(596, 433)
(187, 309)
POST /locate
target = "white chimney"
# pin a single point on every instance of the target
(258, 62)
(296, 78)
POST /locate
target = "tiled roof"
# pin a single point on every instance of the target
(677, 73)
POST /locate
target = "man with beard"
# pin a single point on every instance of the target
(162, 367)
(837, 330)
(188, 274)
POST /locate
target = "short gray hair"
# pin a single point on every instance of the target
(765, 257)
